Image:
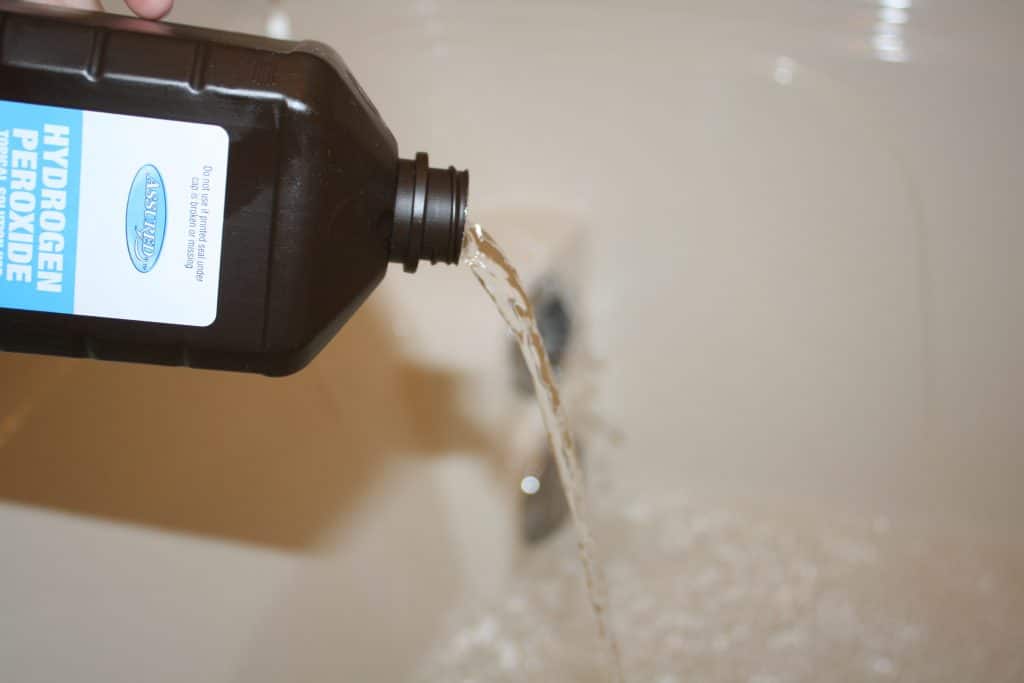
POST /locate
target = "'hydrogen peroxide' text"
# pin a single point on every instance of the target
(33, 206)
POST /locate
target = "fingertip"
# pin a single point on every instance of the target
(150, 9)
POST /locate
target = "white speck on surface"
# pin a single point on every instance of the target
(806, 571)
(485, 630)
(639, 513)
(706, 579)
(784, 597)
(892, 15)
(882, 666)
(789, 638)
(515, 604)
(909, 633)
(785, 68)
(508, 656)
(279, 23)
(889, 31)
(837, 617)
(529, 485)
(852, 551)
(643, 604)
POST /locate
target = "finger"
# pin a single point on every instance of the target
(150, 9)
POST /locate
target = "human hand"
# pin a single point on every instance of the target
(147, 9)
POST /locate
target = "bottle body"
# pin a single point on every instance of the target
(304, 201)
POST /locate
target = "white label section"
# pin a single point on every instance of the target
(151, 219)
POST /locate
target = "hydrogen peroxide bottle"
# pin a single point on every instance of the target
(183, 196)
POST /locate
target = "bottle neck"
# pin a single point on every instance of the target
(430, 214)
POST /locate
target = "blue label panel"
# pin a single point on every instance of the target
(40, 169)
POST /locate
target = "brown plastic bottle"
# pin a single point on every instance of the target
(183, 196)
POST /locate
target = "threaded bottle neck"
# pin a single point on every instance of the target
(430, 214)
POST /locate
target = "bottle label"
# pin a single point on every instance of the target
(110, 216)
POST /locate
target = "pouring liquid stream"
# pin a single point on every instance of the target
(501, 282)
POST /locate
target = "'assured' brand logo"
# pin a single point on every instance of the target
(145, 220)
